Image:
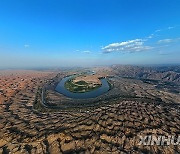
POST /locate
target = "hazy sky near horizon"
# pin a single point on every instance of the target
(53, 33)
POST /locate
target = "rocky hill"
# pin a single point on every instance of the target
(170, 74)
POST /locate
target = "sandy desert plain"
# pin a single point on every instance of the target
(141, 101)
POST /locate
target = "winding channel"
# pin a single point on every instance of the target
(60, 88)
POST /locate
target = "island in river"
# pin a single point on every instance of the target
(83, 83)
(83, 86)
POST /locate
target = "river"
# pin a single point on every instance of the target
(91, 94)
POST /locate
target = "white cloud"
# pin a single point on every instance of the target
(136, 45)
(26, 45)
(158, 30)
(165, 41)
(76, 51)
(150, 36)
(171, 27)
(154, 34)
(86, 51)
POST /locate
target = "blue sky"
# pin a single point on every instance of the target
(50, 33)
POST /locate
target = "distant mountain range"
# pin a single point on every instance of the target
(164, 73)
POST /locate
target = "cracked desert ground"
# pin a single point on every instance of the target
(112, 127)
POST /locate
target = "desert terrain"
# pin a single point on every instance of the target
(14, 82)
(142, 101)
(88, 78)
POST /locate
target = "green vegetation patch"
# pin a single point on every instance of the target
(80, 86)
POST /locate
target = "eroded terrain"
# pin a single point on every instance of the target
(111, 125)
